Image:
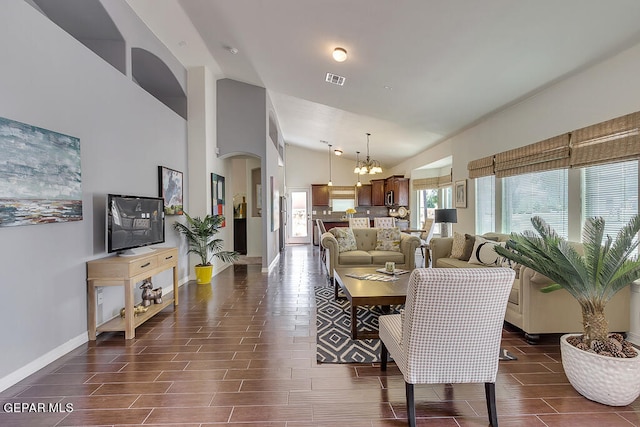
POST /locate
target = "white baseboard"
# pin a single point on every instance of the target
(633, 338)
(42, 361)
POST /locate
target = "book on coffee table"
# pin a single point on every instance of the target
(395, 272)
(368, 276)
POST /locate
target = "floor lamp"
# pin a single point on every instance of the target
(444, 217)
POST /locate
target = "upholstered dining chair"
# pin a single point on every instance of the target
(359, 222)
(425, 237)
(384, 222)
(450, 330)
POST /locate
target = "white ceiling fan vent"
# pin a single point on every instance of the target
(335, 79)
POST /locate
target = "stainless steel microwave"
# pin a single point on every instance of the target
(388, 198)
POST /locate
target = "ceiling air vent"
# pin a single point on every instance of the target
(335, 79)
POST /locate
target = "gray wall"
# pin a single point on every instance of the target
(50, 80)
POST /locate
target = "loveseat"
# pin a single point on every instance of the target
(369, 250)
(529, 309)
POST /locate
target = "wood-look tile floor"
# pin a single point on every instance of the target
(242, 352)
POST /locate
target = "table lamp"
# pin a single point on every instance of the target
(444, 217)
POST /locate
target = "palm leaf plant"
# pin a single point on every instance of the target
(200, 234)
(605, 267)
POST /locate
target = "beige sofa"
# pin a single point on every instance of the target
(535, 312)
(366, 255)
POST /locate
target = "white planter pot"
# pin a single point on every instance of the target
(612, 381)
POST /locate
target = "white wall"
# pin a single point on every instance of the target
(599, 93)
(50, 80)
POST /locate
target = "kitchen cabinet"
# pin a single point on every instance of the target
(400, 187)
(319, 195)
(364, 195)
(377, 192)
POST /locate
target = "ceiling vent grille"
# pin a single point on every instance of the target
(335, 79)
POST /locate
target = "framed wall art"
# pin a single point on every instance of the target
(461, 193)
(171, 189)
(217, 195)
(40, 175)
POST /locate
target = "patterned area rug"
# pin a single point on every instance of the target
(333, 321)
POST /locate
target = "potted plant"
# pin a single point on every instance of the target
(601, 366)
(200, 234)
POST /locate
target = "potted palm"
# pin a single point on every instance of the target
(601, 366)
(200, 234)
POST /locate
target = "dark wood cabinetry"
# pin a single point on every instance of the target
(377, 192)
(319, 195)
(364, 195)
(240, 235)
(400, 187)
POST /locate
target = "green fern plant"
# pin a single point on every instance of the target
(592, 278)
(200, 234)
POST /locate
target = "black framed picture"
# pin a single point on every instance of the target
(171, 190)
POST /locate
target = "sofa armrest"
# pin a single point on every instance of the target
(408, 245)
(440, 248)
(329, 242)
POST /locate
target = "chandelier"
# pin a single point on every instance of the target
(369, 165)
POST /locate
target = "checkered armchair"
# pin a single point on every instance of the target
(450, 330)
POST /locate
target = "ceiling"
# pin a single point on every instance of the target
(418, 71)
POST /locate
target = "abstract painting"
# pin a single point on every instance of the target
(217, 195)
(170, 182)
(40, 175)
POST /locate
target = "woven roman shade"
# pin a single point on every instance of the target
(552, 153)
(481, 167)
(615, 140)
(342, 192)
(430, 183)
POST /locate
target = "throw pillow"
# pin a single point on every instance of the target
(388, 239)
(484, 253)
(346, 239)
(457, 249)
(507, 263)
(469, 241)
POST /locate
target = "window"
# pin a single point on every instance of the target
(341, 205)
(611, 191)
(485, 204)
(543, 194)
(427, 203)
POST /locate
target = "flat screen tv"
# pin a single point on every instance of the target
(134, 223)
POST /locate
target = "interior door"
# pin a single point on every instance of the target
(299, 221)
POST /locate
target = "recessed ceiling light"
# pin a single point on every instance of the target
(388, 88)
(339, 54)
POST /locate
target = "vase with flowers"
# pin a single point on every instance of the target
(350, 212)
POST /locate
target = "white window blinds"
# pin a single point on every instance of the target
(541, 193)
(485, 204)
(611, 191)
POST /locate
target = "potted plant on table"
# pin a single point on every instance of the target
(601, 366)
(200, 234)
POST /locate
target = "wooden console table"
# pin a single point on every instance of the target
(127, 272)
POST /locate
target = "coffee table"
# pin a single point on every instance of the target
(367, 293)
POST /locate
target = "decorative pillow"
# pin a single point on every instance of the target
(507, 263)
(346, 239)
(469, 241)
(388, 239)
(484, 253)
(457, 249)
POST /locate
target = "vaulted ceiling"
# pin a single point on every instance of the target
(418, 71)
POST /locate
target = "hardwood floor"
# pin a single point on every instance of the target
(242, 352)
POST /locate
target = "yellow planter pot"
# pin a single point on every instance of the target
(204, 274)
